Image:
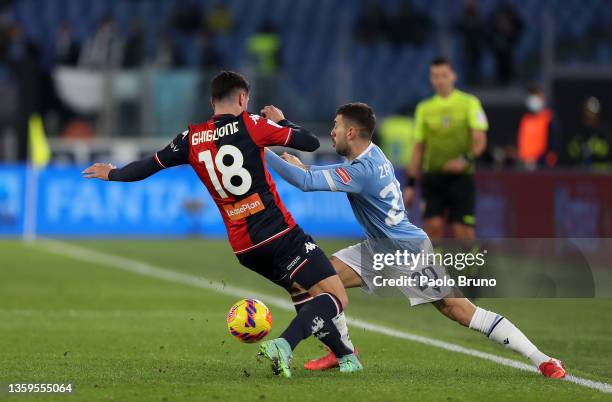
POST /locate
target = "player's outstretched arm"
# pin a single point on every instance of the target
(297, 137)
(301, 139)
(98, 171)
(348, 178)
(133, 171)
(326, 167)
(294, 160)
(298, 177)
(174, 154)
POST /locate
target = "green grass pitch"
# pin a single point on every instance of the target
(120, 336)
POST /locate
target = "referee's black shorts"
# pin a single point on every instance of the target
(455, 193)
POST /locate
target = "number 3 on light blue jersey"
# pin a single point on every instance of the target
(394, 216)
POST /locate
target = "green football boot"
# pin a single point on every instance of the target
(349, 364)
(278, 352)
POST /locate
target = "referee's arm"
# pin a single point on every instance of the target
(479, 142)
(479, 125)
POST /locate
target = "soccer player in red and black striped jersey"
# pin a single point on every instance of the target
(227, 153)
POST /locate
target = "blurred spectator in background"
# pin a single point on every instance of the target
(600, 34)
(65, 53)
(472, 29)
(219, 20)
(506, 31)
(210, 58)
(134, 49)
(372, 25)
(24, 58)
(396, 137)
(408, 26)
(264, 49)
(66, 50)
(168, 54)
(187, 17)
(7, 89)
(539, 133)
(102, 49)
(592, 145)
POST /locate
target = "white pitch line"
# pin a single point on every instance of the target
(142, 268)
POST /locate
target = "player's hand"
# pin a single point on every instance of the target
(273, 113)
(294, 160)
(98, 171)
(408, 196)
(455, 165)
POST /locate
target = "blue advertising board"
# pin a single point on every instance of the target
(12, 191)
(171, 203)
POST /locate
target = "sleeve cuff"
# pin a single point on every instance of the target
(158, 161)
(288, 137)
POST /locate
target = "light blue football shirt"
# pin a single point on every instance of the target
(372, 190)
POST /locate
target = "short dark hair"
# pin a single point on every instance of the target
(360, 114)
(441, 61)
(533, 88)
(226, 83)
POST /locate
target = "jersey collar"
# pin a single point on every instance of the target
(365, 151)
(449, 97)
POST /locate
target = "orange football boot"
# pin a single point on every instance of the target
(553, 369)
(329, 361)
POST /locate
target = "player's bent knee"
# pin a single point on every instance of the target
(333, 286)
(340, 293)
(344, 300)
(296, 289)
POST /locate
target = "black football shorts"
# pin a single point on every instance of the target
(452, 193)
(292, 257)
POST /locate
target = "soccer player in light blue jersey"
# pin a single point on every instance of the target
(368, 179)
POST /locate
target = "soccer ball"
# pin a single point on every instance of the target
(249, 320)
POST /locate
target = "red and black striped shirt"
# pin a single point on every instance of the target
(227, 154)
